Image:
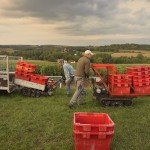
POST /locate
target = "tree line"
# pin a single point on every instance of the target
(73, 53)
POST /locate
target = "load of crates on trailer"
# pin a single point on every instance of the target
(33, 84)
(135, 80)
(26, 71)
(115, 89)
(140, 79)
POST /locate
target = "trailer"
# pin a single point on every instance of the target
(14, 73)
(33, 89)
(33, 84)
(116, 89)
(7, 72)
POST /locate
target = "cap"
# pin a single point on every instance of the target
(88, 52)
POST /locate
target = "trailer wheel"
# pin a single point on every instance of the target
(50, 92)
(33, 93)
(24, 91)
(38, 94)
(28, 92)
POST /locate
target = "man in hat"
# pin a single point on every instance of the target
(82, 73)
(69, 74)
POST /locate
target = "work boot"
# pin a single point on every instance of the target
(71, 105)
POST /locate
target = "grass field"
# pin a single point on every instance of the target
(46, 123)
(40, 62)
(10, 50)
(132, 53)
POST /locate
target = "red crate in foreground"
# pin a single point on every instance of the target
(92, 131)
(92, 122)
(93, 141)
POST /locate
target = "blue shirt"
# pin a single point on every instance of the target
(68, 71)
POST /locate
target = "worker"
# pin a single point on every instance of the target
(69, 74)
(81, 75)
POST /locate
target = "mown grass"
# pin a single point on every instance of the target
(131, 54)
(46, 123)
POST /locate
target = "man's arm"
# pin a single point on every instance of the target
(66, 72)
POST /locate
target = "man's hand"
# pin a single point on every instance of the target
(66, 81)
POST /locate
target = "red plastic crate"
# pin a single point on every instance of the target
(26, 77)
(25, 65)
(126, 76)
(22, 76)
(142, 89)
(138, 81)
(121, 90)
(25, 71)
(137, 69)
(21, 63)
(22, 68)
(121, 85)
(39, 79)
(92, 122)
(145, 72)
(121, 76)
(143, 68)
(123, 81)
(18, 75)
(141, 77)
(135, 73)
(138, 84)
(93, 141)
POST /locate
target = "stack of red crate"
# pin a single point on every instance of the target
(92, 131)
(39, 79)
(24, 70)
(121, 83)
(141, 79)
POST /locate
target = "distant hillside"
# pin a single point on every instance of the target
(112, 47)
(115, 53)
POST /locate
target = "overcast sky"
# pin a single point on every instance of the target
(74, 22)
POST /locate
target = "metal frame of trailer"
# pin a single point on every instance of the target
(7, 72)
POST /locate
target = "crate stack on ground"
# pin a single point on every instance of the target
(92, 131)
(141, 79)
(121, 83)
(26, 71)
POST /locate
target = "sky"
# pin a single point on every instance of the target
(74, 22)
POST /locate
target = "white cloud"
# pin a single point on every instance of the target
(70, 22)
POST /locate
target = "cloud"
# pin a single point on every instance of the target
(63, 9)
(77, 20)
